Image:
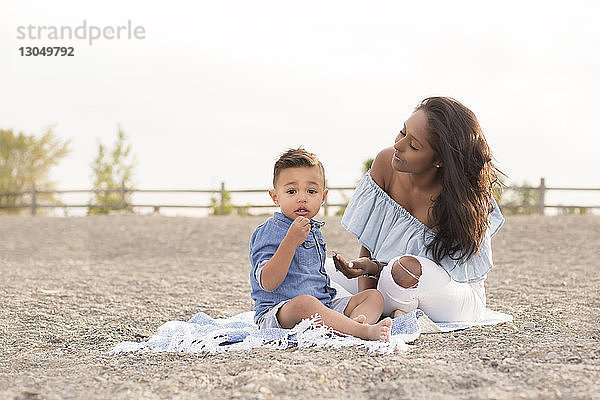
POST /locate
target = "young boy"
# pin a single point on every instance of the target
(287, 253)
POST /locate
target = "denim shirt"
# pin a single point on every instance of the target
(306, 274)
(388, 230)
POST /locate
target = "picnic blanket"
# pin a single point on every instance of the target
(201, 333)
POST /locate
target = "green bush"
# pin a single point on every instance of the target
(112, 170)
(222, 206)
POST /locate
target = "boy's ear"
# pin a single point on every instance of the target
(273, 195)
(324, 195)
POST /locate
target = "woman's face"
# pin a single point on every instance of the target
(413, 154)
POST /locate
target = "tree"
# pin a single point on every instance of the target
(26, 161)
(519, 202)
(112, 170)
(366, 166)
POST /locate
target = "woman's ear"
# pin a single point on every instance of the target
(273, 195)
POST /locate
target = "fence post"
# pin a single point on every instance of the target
(123, 194)
(33, 199)
(325, 205)
(541, 196)
(222, 205)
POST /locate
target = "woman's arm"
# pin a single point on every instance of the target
(365, 283)
(364, 268)
(381, 173)
(364, 252)
(381, 170)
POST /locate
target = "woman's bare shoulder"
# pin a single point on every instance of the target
(381, 170)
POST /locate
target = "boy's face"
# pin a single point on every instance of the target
(299, 191)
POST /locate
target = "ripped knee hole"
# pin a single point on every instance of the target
(406, 272)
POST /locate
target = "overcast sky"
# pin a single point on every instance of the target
(216, 90)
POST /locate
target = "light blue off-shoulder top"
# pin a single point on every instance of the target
(388, 230)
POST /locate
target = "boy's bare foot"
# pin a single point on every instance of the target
(381, 330)
(397, 314)
(361, 319)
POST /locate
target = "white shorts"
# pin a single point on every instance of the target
(269, 318)
(441, 298)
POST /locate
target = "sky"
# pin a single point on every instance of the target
(215, 91)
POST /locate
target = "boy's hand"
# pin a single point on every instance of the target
(298, 231)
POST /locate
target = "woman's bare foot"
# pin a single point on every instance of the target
(380, 331)
(397, 313)
(361, 319)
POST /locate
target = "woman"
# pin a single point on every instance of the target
(424, 216)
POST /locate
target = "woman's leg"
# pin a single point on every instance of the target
(407, 285)
(368, 303)
(395, 297)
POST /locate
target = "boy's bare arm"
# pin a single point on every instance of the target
(275, 270)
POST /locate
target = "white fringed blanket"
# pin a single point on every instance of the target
(205, 334)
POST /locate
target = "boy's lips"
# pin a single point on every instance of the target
(301, 211)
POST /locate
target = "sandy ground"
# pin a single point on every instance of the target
(72, 288)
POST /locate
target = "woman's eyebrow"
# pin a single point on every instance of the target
(412, 136)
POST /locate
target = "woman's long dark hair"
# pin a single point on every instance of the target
(459, 215)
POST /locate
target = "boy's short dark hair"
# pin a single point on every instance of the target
(294, 158)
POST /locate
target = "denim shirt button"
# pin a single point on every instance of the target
(308, 244)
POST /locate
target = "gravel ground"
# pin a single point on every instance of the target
(72, 288)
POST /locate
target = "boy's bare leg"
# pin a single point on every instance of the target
(304, 306)
(368, 303)
(361, 318)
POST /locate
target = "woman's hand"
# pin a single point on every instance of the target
(355, 268)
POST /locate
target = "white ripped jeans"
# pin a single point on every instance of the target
(436, 294)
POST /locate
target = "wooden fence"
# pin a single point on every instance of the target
(221, 194)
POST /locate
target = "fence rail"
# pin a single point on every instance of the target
(221, 194)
